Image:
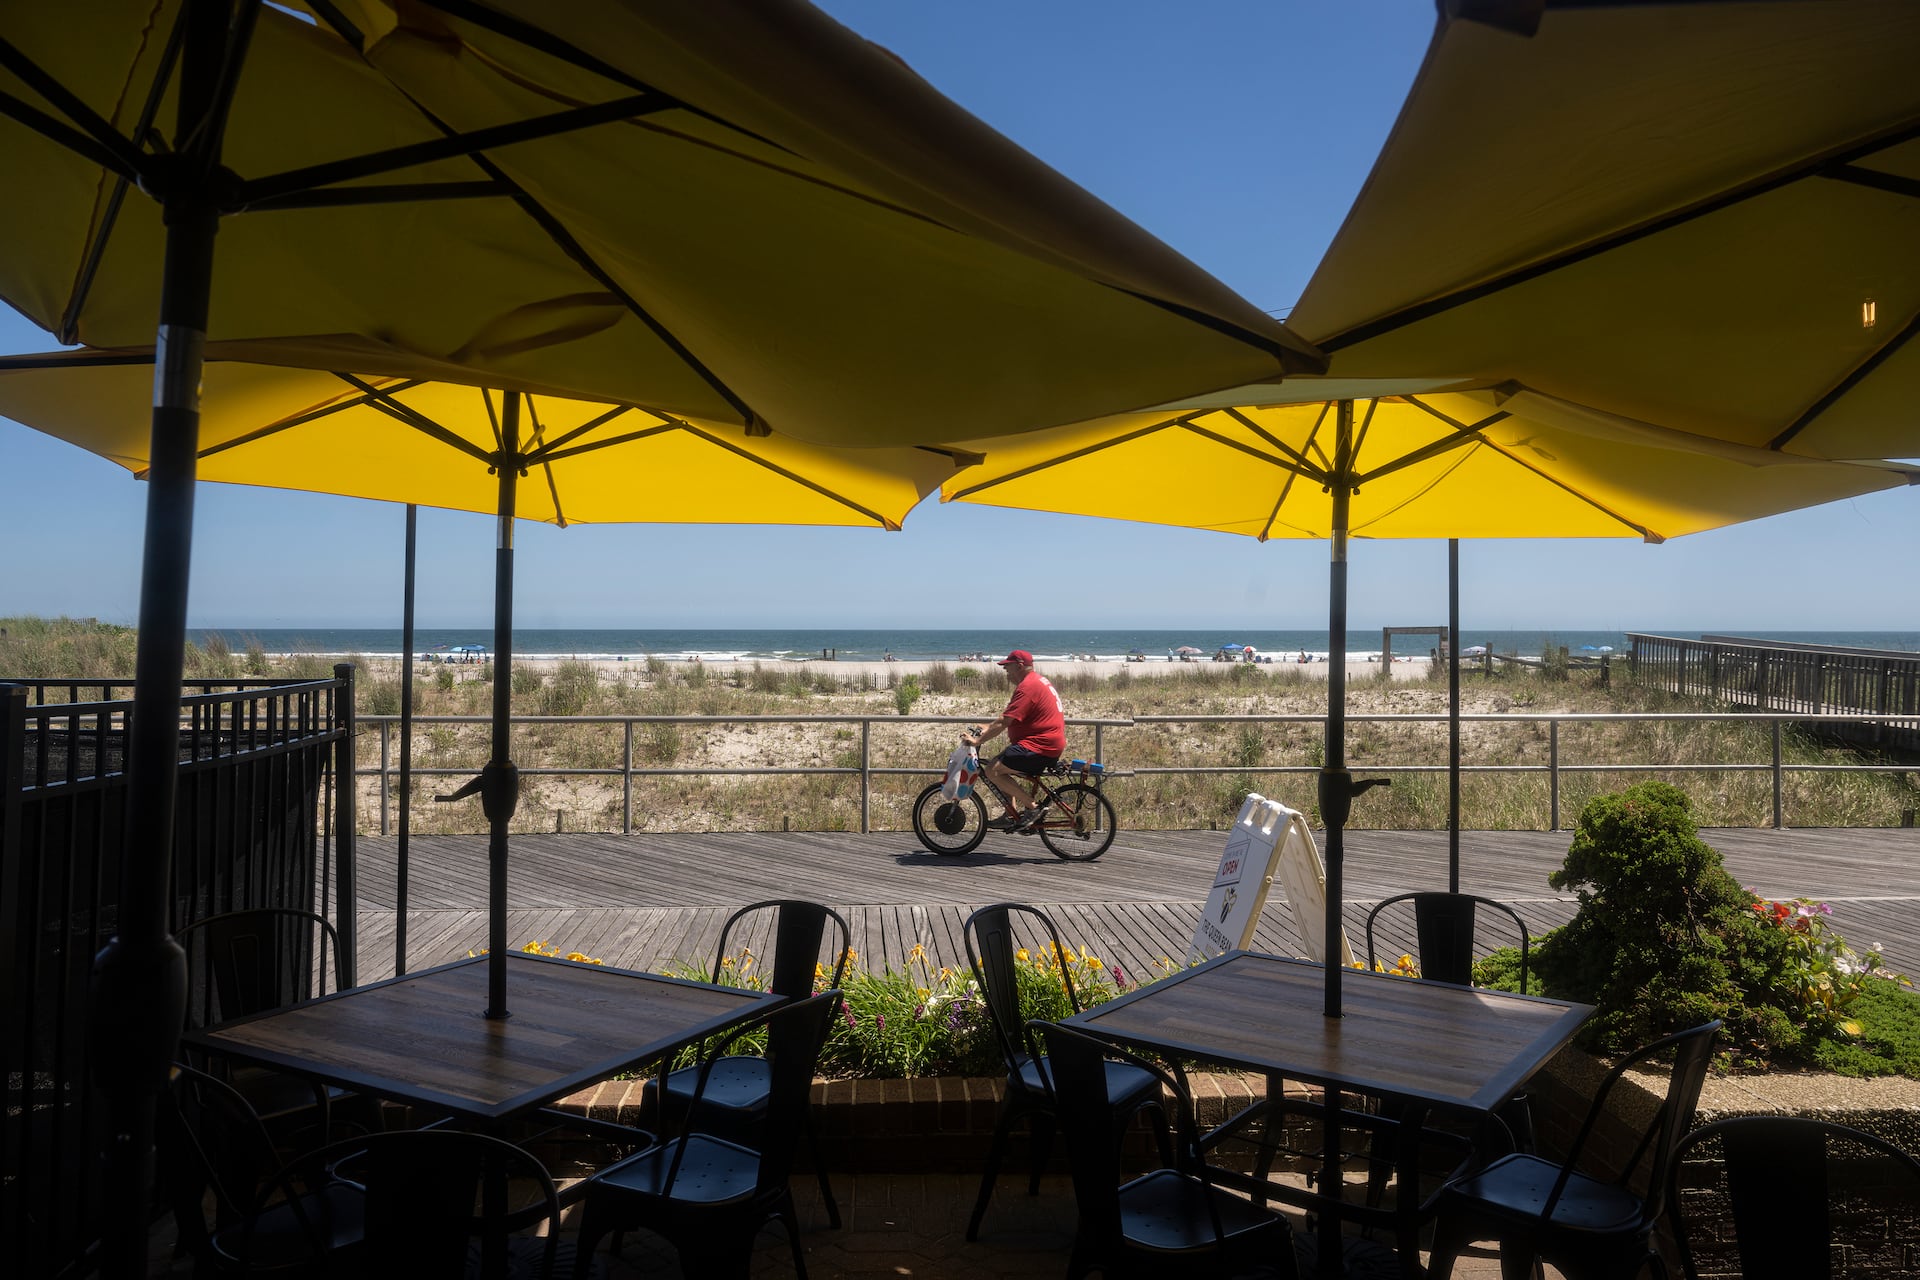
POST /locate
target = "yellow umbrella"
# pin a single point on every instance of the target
(1448, 463)
(437, 444)
(447, 445)
(733, 212)
(1424, 463)
(1704, 216)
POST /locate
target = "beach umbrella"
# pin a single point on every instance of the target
(732, 212)
(448, 445)
(1700, 215)
(1446, 464)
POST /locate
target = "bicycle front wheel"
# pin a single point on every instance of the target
(1080, 825)
(949, 826)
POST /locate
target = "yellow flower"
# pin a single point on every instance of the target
(819, 972)
(919, 952)
(924, 993)
(1021, 955)
(946, 973)
(726, 962)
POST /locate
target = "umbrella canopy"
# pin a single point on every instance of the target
(1447, 464)
(438, 444)
(455, 446)
(728, 212)
(713, 210)
(1442, 465)
(1697, 215)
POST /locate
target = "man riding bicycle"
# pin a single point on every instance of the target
(1036, 729)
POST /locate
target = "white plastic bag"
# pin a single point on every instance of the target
(962, 767)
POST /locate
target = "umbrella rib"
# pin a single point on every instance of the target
(1366, 423)
(563, 238)
(554, 454)
(1645, 533)
(383, 401)
(1266, 435)
(110, 217)
(1463, 434)
(1858, 374)
(553, 487)
(88, 133)
(452, 146)
(546, 42)
(1861, 176)
(1825, 165)
(545, 451)
(386, 193)
(1076, 454)
(297, 420)
(798, 479)
(1301, 468)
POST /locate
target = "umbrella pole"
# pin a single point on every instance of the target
(1336, 783)
(1453, 715)
(406, 750)
(500, 781)
(139, 990)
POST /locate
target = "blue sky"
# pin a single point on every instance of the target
(1237, 130)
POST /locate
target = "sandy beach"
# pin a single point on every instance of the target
(1403, 668)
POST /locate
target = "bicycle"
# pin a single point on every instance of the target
(1077, 822)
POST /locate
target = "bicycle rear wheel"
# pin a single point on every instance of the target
(1080, 825)
(949, 826)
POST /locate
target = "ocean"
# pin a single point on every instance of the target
(952, 645)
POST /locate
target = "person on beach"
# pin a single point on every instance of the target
(1036, 729)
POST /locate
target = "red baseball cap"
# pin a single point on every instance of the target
(1020, 656)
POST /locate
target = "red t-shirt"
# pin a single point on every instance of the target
(1035, 717)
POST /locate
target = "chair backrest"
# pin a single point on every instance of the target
(799, 929)
(796, 1032)
(424, 1200)
(1444, 930)
(209, 1141)
(1692, 1051)
(993, 943)
(1085, 1112)
(1792, 1189)
(260, 958)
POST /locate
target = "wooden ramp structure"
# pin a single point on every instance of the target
(647, 901)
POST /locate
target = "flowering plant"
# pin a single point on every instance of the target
(1821, 975)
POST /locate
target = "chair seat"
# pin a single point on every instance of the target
(738, 1083)
(1126, 1085)
(1517, 1186)
(713, 1172)
(1167, 1212)
(335, 1223)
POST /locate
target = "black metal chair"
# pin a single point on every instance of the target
(1170, 1222)
(215, 1152)
(1784, 1197)
(1590, 1228)
(418, 1204)
(710, 1196)
(252, 960)
(735, 1102)
(992, 950)
(1444, 932)
(1445, 929)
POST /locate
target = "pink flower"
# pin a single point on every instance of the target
(879, 1022)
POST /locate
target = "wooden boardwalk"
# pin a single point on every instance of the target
(643, 901)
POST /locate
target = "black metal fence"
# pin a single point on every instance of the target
(256, 825)
(1771, 675)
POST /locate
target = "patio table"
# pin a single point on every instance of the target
(421, 1039)
(1423, 1045)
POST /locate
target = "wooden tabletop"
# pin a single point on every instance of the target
(422, 1038)
(1398, 1037)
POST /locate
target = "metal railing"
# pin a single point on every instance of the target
(256, 824)
(627, 771)
(1555, 768)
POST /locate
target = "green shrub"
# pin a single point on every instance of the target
(526, 682)
(443, 679)
(1663, 938)
(966, 673)
(380, 697)
(765, 680)
(905, 694)
(939, 678)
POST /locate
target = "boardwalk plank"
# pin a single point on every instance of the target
(644, 900)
